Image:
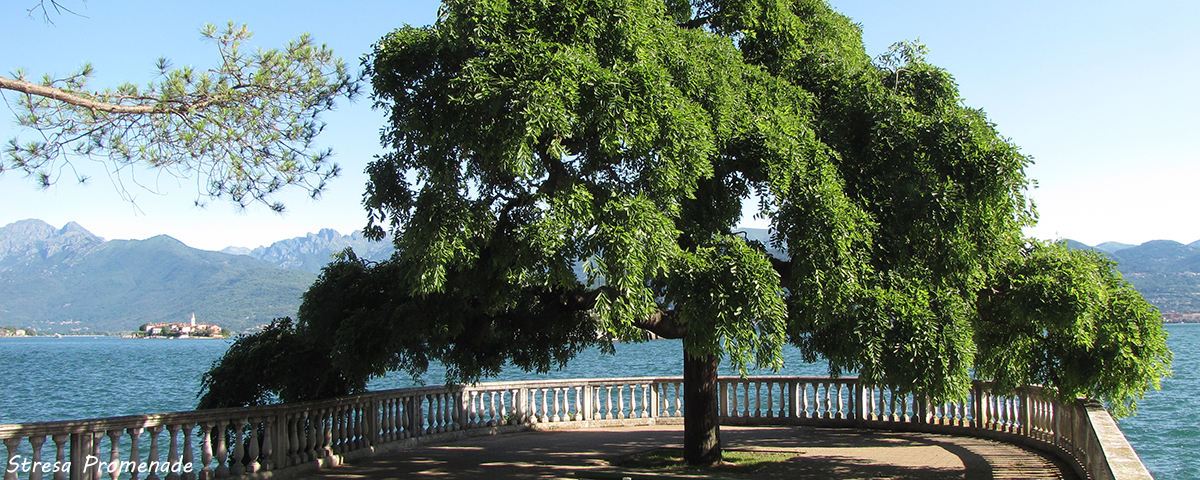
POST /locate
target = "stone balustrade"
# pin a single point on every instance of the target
(281, 440)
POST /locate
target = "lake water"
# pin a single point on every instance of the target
(72, 378)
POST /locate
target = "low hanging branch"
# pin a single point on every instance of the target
(246, 128)
(78, 101)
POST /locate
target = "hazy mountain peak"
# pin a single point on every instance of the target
(33, 242)
(72, 227)
(1113, 247)
(315, 250)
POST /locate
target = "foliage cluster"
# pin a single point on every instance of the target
(246, 126)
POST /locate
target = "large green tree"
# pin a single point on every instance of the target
(529, 136)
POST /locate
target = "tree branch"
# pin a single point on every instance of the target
(660, 323)
(782, 267)
(70, 98)
(696, 22)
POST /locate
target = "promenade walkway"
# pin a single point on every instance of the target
(820, 453)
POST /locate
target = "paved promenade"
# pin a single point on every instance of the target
(821, 453)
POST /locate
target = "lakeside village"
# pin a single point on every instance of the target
(148, 330)
(181, 330)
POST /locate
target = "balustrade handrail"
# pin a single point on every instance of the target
(273, 440)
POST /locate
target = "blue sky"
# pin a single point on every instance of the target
(1100, 93)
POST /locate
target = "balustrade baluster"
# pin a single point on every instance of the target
(292, 452)
(311, 429)
(252, 437)
(734, 410)
(267, 462)
(805, 411)
(114, 453)
(578, 412)
(345, 429)
(11, 444)
(431, 416)
(502, 419)
(152, 460)
(60, 457)
(238, 466)
(446, 404)
(172, 453)
(495, 408)
(95, 442)
(134, 455)
(841, 404)
(385, 420)
(35, 444)
(757, 398)
(353, 428)
(189, 458)
(476, 408)
(326, 426)
(771, 399)
(554, 402)
(358, 426)
(337, 419)
(397, 418)
(541, 414)
(620, 413)
(206, 452)
(218, 435)
(645, 413)
(607, 401)
(820, 406)
(829, 398)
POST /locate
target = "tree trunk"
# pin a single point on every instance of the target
(701, 419)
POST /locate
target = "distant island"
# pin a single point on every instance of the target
(17, 332)
(182, 330)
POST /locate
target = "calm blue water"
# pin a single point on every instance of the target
(71, 378)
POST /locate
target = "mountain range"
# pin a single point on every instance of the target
(313, 251)
(1165, 272)
(70, 280)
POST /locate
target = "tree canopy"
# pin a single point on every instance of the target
(529, 137)
(245, 128)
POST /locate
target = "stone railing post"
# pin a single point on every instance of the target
(11, 444)
(522, 406)
(375, 422)
(1024, 413)
(460, 408)
(589, 402)
(206, 451)
(36, 443)
(134, 455)
(152, 458)
(172, 452)
(654, 399)
(222, 449)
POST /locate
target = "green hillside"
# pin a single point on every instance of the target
(1166, 272)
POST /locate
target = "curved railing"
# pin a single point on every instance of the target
(281, 440)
